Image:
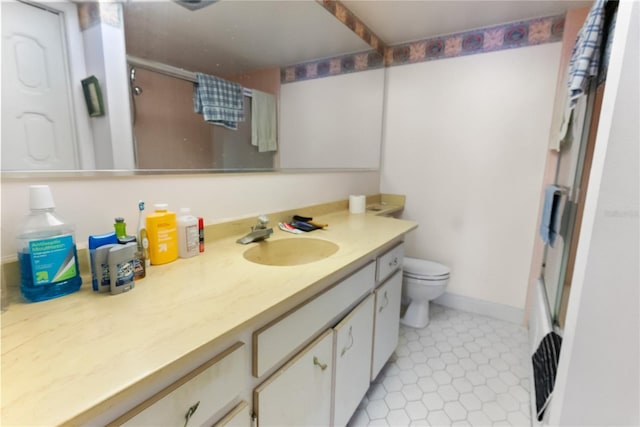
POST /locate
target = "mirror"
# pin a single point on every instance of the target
(327, 82)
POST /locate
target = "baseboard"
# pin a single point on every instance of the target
(486, 308)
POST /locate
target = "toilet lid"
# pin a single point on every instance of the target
(414, 267)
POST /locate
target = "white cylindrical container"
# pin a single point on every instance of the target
(357, 204)
(188, 234)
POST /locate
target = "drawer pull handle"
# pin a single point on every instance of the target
(316, 362)
(394, 262)
(386, 302)
(190, 413)
(346, 348)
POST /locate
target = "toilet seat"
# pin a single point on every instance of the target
(424, 270)
(425, 280)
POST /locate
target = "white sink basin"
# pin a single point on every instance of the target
(290, 252)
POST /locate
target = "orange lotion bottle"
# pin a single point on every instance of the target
(162, 231)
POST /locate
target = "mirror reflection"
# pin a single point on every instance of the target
(145, 56)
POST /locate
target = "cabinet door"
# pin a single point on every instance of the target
(238, 417)
(353, 338)
(387, 322)
(299, 394)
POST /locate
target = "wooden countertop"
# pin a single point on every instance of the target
(67, 359)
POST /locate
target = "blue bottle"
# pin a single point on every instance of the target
(98, 266)
(46, 251)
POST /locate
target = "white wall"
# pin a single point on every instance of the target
(93, 203)
(112, 133)
(332, 122)
(598, 380)
(465, 139)
(77, 72)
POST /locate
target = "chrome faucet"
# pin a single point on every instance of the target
(258, 232)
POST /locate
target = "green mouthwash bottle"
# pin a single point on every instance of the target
(46, 250)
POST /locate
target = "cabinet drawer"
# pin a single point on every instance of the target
(299, 393)
(353, 338)
(282, 337)
(203, 392)
(389, 262)
(387, 322)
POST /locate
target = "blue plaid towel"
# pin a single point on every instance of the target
(221, 102)
(585, 58)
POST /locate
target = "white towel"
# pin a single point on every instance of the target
(263, 121)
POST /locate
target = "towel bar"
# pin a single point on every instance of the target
(170, 70)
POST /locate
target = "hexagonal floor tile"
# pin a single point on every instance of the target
(427, 384)
(455, 411)
(433, 401)
(462, 385)
(442, 377)
(448, 393)
(395, 400)
(470, 401)
(438, 418)
(479, 418)
(398, 417)
(416, 410)
(412, 392)
(462, 369)
(377, 409)
(494, 411)
(392, 384)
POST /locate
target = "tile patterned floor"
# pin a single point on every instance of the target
(463, 369)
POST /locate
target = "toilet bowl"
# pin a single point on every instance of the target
(422, 281)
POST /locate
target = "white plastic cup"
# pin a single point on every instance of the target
(357, 204)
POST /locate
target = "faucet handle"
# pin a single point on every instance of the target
(263, 220)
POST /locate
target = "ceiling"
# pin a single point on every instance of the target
(399, 21)
(231, 36)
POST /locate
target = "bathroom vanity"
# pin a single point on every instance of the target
(216, 339)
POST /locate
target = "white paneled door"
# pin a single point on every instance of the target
(37, 123)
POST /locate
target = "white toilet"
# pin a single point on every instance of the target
(422, 281)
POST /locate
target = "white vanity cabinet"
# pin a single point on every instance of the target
(311, 365)
(344, 358)
(280, 338)
(198, 397)
(299, 393)
(387, 322)
(353, 338)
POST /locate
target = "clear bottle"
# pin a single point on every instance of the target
(46, 250)
(188, 234)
